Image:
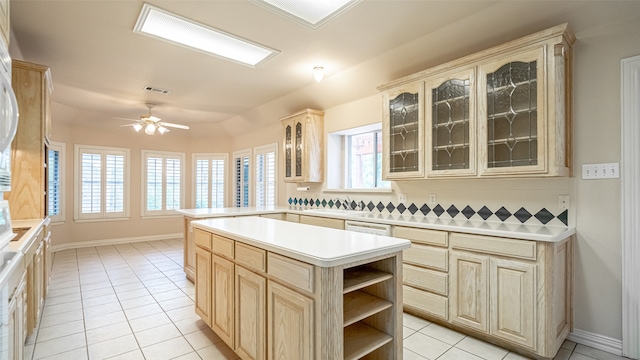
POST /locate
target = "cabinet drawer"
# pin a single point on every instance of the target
(422, 236)
(427, 256)
(222, 246)
(426, 279)
(425, 302)
(292, 217)
(251, 257)
(291, 271)
(202, 238)
(324, 222)
(272, 216)
(523, 249)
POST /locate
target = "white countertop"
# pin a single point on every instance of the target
(319, 246)
(509, 230)
(25, 242)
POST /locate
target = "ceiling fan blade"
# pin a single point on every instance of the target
(177, 126)
(150, 118)
(125, 125)
(127, 119)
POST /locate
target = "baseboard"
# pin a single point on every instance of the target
(103, 242)
(596, 341)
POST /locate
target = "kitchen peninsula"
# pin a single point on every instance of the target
(276, 289)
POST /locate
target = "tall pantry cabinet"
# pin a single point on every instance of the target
(32, 85)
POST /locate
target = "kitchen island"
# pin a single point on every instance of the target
(280, 290)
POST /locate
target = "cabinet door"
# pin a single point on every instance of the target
(288, 151)
(512, 114)
(402, 131)
(222, 316)
(290, 324)
(189, 250)
(203, 284)
(38, 280)
(513, 301)
(251, 319)
(469, 297)
(451, 127)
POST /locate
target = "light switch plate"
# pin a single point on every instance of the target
(601, 171)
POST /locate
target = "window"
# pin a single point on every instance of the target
(162, 174)
(209, 177)
(359, 153)
(266, 166)
(102, 183)
(241, 178)
(55, 186)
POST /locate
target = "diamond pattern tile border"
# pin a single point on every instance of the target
(542, 216)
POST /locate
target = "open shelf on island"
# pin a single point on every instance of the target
(360, 277)
(359, 305)
(361, 339)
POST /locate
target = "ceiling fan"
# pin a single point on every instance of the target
(151, 123)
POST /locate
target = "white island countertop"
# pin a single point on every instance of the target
(509, 230)
(319, 246)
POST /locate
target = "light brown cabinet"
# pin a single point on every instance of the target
(303, 146)
(470, 295)
(290, 323)
(222, 315)
(189, 248)
(32, 86)
(320, 221)
(203, 284)
(250, 315)
(17, 322)
(501, 112)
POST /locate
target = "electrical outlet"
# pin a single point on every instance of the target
(432, 199)
(563, 202)
(402, 198)
(601, 171)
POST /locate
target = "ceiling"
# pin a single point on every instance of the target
(100, 67)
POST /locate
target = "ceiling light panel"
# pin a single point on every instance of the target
(312, 13)
(165, 25)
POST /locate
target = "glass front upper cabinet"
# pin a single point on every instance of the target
(450, 118)
(512, 113)
(302, 143)
(402, 130)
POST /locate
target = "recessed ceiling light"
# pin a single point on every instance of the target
(165, 25)
(312, 13)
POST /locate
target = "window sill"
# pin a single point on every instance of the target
(360, 191)
(160, 216)
(101, 219)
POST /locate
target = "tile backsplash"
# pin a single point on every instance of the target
(496, 213)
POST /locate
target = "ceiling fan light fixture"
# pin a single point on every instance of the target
(159, 23)
(162, 129)
(137, 127)
(150, 129)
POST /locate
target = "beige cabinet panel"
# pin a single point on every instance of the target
(292, 217)
(425, 302)
(469, 290)
(250, 315)
(189, 248)
(427, 256)
(513, 301)
(278, 216)
(290, 324)
(422, 236)
(320, 221)
(202, 239)
(223, 246)
(293, 272)
(523, 249)
(251, 257)
(203, 284)
(303, 146)
(222, 315)
(425, 279)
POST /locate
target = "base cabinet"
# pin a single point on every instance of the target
(290, 323)
(469, 298)
(251, 321)
(189, 250)
(16, 321)
(203, 284)
(222, 316)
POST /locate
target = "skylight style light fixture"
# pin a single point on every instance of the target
(312, 13)
(159, 23)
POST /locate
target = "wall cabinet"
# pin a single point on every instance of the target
(303, 146)
(505, 111)
(32, 86)
(403, 132)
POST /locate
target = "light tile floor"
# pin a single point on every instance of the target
(132, 301)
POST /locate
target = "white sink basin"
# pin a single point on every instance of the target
(337, 212)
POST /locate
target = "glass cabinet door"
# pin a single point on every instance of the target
(287, 150)
(298, 146)
(513, 118)
(403, 132)
(450, 114)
